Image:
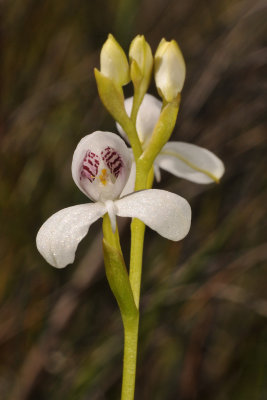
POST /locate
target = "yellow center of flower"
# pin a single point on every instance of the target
(103, 177)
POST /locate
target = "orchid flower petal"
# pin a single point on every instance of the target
(164, 212)
(157, 172)
(191, 162)
(59, 236)
(129, 187)
(101, 166)
(111, 210)
(147, 116)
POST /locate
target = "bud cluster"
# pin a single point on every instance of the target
(169, 66)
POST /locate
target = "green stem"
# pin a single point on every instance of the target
(120, 285)
(129, 357)
(144, 180)
(131, 326)
(136, 257)
(137, 100)
(129, 127)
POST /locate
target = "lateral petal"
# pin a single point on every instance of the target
(191, 162)
(59, 236)
(164, 212)
(129, 187)
(147, 117)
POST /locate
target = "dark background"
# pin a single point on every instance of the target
(203, 310)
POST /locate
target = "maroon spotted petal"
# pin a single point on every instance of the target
(113, 160)
(90, 164)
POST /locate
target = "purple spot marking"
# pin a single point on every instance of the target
(113, 161)
(89, 168)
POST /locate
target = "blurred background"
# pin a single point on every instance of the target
(203, 332)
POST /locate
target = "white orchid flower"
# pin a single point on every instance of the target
(183, 160)
(100, 168)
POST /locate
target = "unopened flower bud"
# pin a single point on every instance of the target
(169, 70)
(113, 62)
(140, 52)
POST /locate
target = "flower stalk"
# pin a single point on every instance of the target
(120, 285)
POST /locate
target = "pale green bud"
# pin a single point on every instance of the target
(140, 52)
(113, 62)
(169, 70)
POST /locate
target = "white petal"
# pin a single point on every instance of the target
(157, 172)
(129, 187)
(59, 236)
(101, 182)
(164, 212)
(191, 162)
(111, 210)
(147, 116)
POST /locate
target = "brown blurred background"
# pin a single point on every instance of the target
(203, 332)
